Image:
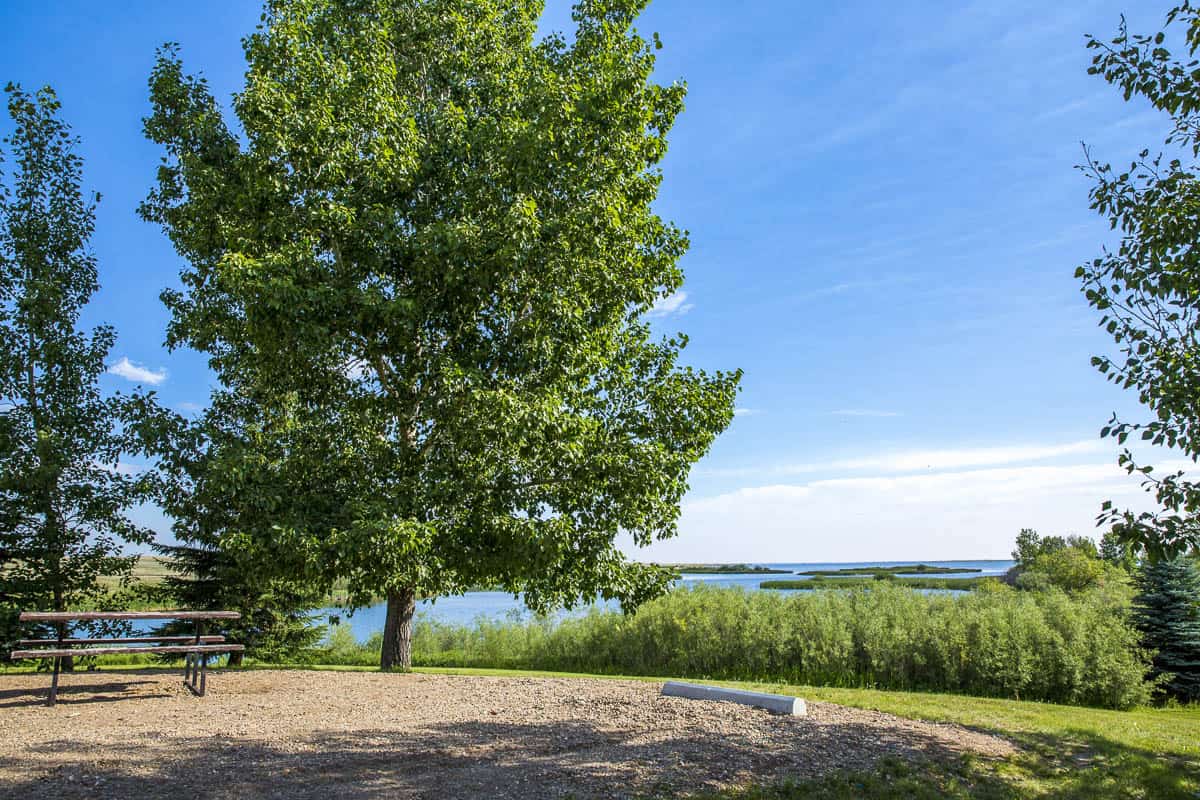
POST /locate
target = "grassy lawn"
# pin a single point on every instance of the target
(1067, 751)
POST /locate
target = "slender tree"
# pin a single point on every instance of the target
(1118, 553)
(1167, 611)
(1148, 289)
(63, 489)
(426, 262)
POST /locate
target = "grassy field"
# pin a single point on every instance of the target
(151, 570)
(147, 569)
(1066, 751)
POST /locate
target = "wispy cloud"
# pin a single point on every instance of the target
(960, 458)
(189, 407)
(745, 412)
(863, 412)
(137, 373)
(673, 304)
(922, 460)
(1067, 108)
(945, 514)
(864, 285)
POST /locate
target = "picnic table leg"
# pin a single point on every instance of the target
(54, 684)
(196, 664)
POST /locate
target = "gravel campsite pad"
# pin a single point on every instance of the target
(308, 734)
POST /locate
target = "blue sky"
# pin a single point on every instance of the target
(885, 219)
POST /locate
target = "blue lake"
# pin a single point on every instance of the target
(465, 609)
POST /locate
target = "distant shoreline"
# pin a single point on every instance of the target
(725, 569)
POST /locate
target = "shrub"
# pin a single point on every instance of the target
(993, 642)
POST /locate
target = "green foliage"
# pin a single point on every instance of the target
(427, 264)
(995, 642)
(1167, 611)
(1071, 563)
(1069, 569)
(1029, 546)
(63, 488)
(1147, 289)
(1032, 546)
(200, 487)
(276, 623)
(1118, 553)
(829, 582)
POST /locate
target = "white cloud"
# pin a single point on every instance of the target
(138, 374)
(745, 412)
(967, 457)
(923, 460)
(189, 407)
(672, 304)
(943, 515)
(863, 412)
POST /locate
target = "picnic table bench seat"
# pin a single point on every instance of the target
(197, 648)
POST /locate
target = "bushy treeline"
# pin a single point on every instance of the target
(1044, 645)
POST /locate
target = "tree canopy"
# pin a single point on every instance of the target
(424, 253)
(1148, 288)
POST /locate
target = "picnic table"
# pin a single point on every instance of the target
(196, 648)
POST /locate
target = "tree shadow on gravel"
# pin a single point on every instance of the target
(104, 689)
(468, 760)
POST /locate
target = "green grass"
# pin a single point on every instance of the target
(1065, 751)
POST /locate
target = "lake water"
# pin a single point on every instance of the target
(465, 609)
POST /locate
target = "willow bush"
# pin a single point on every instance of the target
(994, 642)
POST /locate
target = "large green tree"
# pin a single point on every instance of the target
(424, 255)
(64, 492)
(1148, 288)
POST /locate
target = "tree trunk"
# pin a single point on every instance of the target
(397, 630)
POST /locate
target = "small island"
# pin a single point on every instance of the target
(726, 569)
(908, 569)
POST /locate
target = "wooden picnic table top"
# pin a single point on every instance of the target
(73, 616)
(120, 651)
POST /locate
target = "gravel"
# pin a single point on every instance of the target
(310, 734)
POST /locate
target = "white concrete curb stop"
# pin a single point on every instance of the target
(775, 703)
